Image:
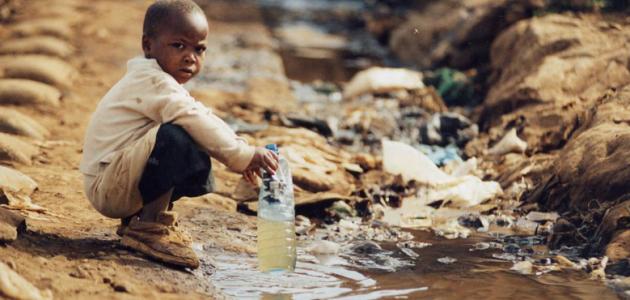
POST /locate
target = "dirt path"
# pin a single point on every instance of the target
(73, 251)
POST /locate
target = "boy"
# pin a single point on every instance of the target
(147, 143)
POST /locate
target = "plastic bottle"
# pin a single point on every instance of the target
(276, 219)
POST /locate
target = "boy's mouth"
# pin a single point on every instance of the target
(187, 71)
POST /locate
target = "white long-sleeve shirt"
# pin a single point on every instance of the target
(147, 97)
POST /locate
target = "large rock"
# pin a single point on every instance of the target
(591, 173)
(456, 33)
(547, 70)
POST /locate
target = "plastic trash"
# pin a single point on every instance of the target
(454, 86)
(411, 164)
(446, 260)
(441, 155)
(380, 80)
(276, 220)
(509, 143)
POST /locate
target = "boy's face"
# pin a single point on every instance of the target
(179, 46)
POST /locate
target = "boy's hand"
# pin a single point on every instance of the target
(263, 158)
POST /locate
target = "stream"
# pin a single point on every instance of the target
(430, 266)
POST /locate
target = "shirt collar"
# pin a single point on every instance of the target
(141, 62)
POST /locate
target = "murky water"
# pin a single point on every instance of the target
(472, 275)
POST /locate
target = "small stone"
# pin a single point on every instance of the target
(367, 247)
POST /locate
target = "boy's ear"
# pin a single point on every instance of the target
(146, 46)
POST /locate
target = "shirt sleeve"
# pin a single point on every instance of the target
(173, 104)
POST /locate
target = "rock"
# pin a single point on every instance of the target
(45, 69)
(14, 122)
(245, 191)
(592, 169)
(13, 149)
(509, 143)
(524, 88)
(455, 33)
(304, 36)
(47, 27)
(381, 80)
(37, 45)
(15, 190)
(366, 247)
(14, 286)
(28, 92)
(619, 246)
(10, 225)
(323, 247)
(523, 267)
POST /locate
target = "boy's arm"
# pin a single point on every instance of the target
(208, 130)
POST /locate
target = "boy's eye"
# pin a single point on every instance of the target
(179, 46)
(200, 49)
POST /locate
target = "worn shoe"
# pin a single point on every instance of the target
(169, 218)
(161, 242)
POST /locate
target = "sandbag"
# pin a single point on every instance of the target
(16, 190)
(14, 286)
(46, 69)
(28, 92)
(12, 149)
(51, 27)
(14, 122)
(46, 45)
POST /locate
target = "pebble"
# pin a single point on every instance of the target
(367, 247)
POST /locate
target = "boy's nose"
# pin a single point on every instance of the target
(190, 58)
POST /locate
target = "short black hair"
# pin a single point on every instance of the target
(160, 12)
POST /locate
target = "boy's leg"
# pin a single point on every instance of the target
(176, 167)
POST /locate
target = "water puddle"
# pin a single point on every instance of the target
(448, 269)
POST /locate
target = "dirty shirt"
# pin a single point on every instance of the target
(145, 98)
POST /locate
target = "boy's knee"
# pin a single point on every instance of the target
(174, 135)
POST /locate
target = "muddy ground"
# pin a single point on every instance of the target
(69, 251)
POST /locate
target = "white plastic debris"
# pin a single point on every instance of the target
(523, 267)
(380, 80)
(509, 143)
(451, 230)
(461, 191)
(323, 247)
(446, 260)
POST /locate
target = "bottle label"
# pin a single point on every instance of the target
(274, 187)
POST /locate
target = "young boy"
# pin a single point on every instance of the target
(148, 142)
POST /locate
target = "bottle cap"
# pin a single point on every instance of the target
(272, 147)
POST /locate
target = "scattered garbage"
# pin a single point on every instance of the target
(509, 143)
(464, 191)
(454, 86)
(448, 128)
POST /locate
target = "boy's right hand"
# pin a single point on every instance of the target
(265, 159)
